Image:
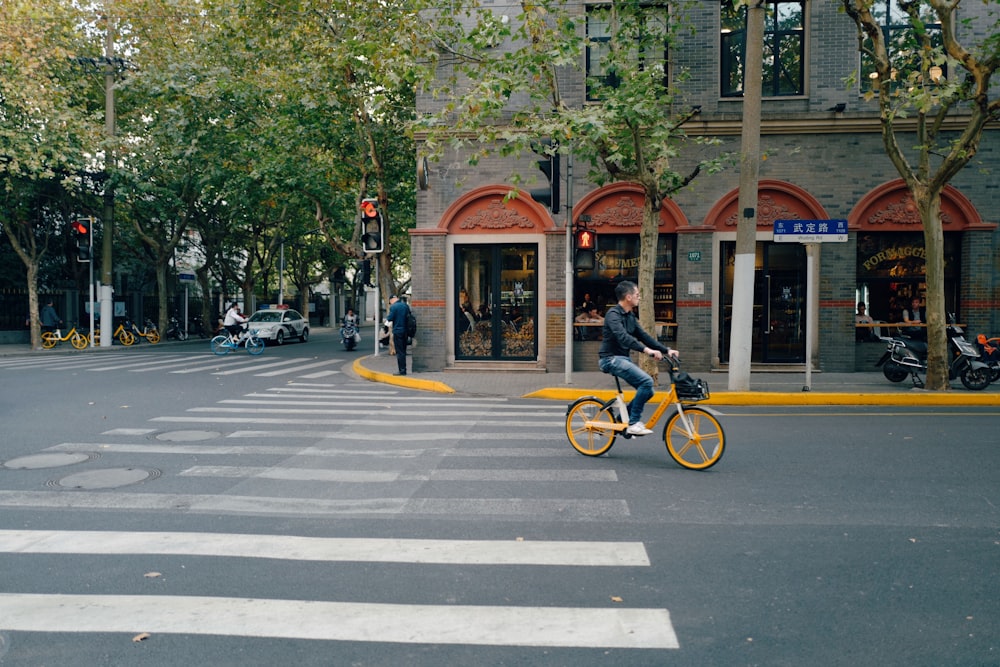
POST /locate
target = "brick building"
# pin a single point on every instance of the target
(489, 276)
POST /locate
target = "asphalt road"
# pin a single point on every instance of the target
(160, 506)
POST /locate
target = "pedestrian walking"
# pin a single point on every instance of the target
(397, 316)
(49, 318)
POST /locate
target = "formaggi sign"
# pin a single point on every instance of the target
(894, 255)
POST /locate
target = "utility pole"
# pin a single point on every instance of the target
(107, 275)
(741, 332)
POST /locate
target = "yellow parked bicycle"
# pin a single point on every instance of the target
(693, 435)
(124, 336)
(52, 338)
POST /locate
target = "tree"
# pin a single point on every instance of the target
(508, 99)
(934, 82)
(46, 129)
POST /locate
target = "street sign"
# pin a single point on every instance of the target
(186, 277)
(810, 231)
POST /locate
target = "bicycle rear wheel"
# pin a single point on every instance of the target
(49, 340)
(126, 337)
(153, 337)
(695, 440)
(79, 341)
(255, 345)
(589, 426)
(220, 345)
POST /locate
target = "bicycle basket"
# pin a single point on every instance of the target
(689, 388)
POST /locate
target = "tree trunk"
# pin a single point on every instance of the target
(649, 238)
(929, 205)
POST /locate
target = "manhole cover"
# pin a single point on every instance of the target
(187, 436)
(107, 479)
(53, 460)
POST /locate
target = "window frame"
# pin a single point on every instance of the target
(592, 61)
(732, 49)
(895, 25)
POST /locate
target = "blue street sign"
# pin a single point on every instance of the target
(810, 231)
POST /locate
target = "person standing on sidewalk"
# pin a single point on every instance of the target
(49, 318)
(397, 316)
(622, 334)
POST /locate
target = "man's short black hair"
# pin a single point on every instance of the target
(624, 288)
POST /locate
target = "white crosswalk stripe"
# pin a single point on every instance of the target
(312, 451)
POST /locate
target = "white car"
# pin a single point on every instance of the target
(278, 324)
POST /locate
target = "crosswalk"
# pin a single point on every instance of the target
(308, 450)
(307, 367)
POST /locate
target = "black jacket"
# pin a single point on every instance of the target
(622, 334)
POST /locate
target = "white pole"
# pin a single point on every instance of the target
(811, 295)
(569, 265)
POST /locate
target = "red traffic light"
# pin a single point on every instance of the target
(368, 209)
(81, 227)
(585, 239)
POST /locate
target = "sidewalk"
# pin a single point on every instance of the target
(766, 388)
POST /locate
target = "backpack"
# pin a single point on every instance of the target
(411, 323)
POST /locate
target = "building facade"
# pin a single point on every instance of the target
(491, 274)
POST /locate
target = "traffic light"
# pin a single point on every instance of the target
(372, 227)
(585, 241)
(548, 165)
(366, 272)
(82, 229)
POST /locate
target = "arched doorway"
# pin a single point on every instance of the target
(780, 273)
(496, 282)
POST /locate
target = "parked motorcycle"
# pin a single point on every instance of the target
(905, 357)
(349, 335)
(989, 350)
(175, 331)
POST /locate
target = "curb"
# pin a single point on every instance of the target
(401, 381)
(918, 398)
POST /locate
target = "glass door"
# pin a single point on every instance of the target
(779, 307)
(496, 302)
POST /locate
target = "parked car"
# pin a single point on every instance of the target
(275, 325)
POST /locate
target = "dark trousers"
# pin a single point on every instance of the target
(399, 341)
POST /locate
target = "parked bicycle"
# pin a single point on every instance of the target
(223, 344)
(124, 336)
(52, 338)
(693, 435)
(149, 331)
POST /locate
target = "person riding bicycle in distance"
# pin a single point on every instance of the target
(234, 322)
(622, 334)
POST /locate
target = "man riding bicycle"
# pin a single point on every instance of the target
(621, 334)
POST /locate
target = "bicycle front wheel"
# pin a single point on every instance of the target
(153, 337)
(220, 345)
(694, 439)
(255, 345)
(126, 338)
(79, 341)
(590, 426)
(49, 340)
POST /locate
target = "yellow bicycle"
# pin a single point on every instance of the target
(694, 437)
(124, 336)
(52, 338)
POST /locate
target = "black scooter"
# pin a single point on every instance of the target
(905, 357)
(175, 331)
(348, 335)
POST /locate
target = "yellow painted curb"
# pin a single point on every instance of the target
(920, 398)
(400, 380)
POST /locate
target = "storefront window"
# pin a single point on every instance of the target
(891, 272)
(617, 259)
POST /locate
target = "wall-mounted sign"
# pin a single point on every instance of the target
(694, 256)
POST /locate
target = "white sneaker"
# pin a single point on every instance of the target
(637, 428)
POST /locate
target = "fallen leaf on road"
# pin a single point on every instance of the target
(615, 598)
(141, 637)
(152, 575)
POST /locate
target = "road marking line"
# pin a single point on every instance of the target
(298, 368)
(375, 476)
(293, 547)
(341, 621)
(287, 450)
(396, 437)
(525, 509)
(366, 420)
(321, 374)
(258, 366)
